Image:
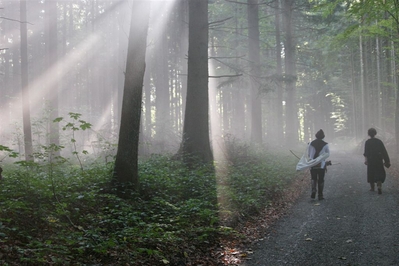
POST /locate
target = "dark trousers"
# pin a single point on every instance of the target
(317, 181)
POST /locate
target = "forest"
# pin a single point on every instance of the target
(153, 132)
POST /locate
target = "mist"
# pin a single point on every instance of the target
(76, 65)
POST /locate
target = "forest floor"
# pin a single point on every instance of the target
(236, 250)
(352, 226)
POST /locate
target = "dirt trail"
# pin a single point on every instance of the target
(352, 226)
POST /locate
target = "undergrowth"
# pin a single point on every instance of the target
(60, 214)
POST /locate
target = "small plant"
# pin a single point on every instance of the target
(75, 125)
(8, 152)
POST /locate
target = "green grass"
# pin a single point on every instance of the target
(57, 214)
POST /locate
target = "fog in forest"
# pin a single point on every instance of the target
(262, 89)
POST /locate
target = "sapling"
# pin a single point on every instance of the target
(75, 125)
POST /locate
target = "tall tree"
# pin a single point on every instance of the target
(161, 80)
(279, 70)
(6, 78)
(196, 143)
(254, 70)
(52, 64)
(25, 83)
(126, 162)
(290, 73)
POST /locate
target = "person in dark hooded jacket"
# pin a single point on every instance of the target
(317, 172)
(376, 157)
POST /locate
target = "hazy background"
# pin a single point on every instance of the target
(342, 85)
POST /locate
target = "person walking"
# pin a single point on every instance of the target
(318, 148)
(375, 157)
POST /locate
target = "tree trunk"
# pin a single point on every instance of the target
(146, 124)
(254, 70)
(5, 89)
(238, 116)
(290, 75)
(279, 131)
(368, 92)
(353, 94)
(25, 84)
(52, 68)
(362, 87)
(196, 143)
(121, 54)
(388, 90)
(126, 162)
(182, 7)
(397, 115)
(379, 91)
(396, 56)
(16, 68)
(161, 80)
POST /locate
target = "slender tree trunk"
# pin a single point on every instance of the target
(291, 123)
(121, 61)
(279, 72)
(353, 94)
(239, 120)
(397, 111)
(388, 90)
(161, 80)
(126, 162)
(64, 92)
(5, 89)
(146, 124)
(216, 110)
(52, 68)
(16, 67)
(396, 56)
(226, 107)
(196, 144)
(25, 84)
(362, 87)
(369, 106)
(183, 44)
(254, 61)
(379, 92)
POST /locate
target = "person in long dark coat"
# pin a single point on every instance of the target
(376, 157)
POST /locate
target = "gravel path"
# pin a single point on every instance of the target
(352, 226)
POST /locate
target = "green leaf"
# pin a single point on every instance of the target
(74, 115)
(58, 119)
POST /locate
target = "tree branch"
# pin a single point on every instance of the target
(226, 57)
(219, 21)
(225, 76)
(236, 2)
(244, 3)
(10, 19)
